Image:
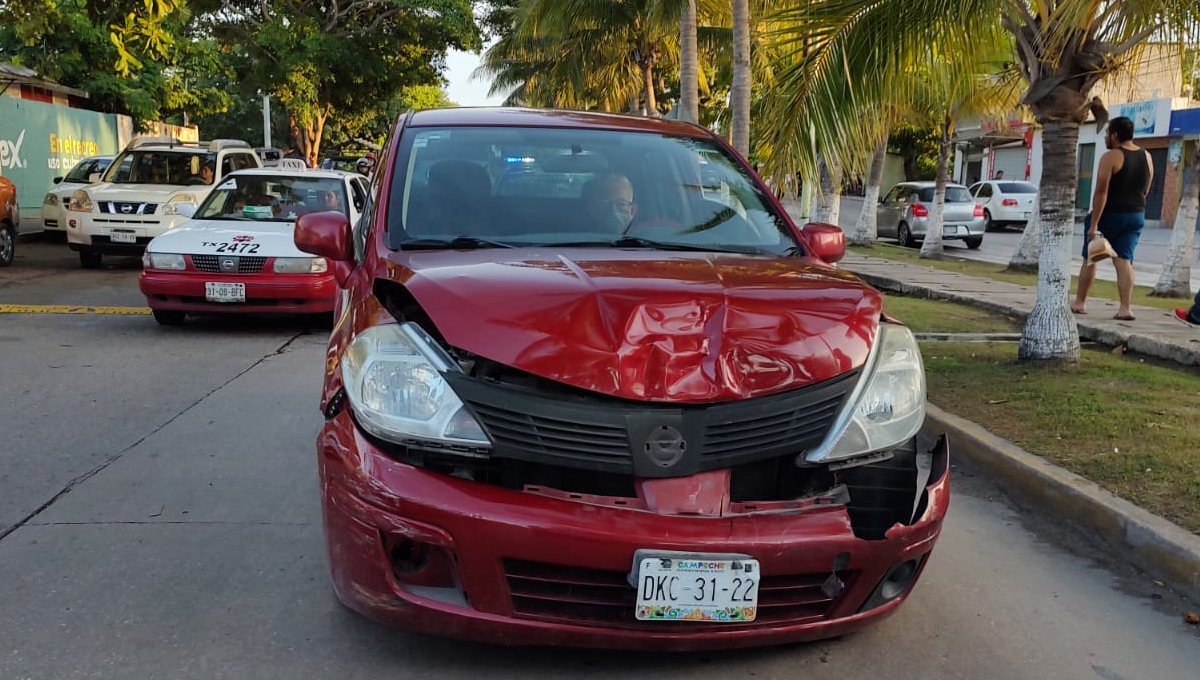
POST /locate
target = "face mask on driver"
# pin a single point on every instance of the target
(611, 218)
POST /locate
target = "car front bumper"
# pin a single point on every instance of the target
(282, 293)
(94, 231)
(525, 568)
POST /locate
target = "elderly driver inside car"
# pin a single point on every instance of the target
(609, 203)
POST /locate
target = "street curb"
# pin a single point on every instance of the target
(1147, 541)
(1137, 342)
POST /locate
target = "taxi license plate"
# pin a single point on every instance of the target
(686, 587)
(122, 236)
(224, 292)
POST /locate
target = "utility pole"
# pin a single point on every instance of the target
(267, 121)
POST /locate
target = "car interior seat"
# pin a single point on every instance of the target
(457, 199)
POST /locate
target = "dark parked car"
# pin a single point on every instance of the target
(630, 404)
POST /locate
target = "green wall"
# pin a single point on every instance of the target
(39, 142)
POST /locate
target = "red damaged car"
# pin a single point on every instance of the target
(590, 386)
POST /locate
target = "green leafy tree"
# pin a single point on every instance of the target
(130, 56)
(1062, 49)
(321, 58)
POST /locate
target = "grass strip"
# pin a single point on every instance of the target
(1124, 422)
(1127, 423)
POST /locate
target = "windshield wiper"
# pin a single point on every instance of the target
(639, 242)
(456, 243)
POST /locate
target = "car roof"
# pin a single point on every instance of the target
(276, 171)
(523, 117)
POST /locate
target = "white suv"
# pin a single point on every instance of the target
(154, 185)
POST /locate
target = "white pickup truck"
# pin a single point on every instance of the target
(155, 184)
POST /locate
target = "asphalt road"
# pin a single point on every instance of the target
(159, 518)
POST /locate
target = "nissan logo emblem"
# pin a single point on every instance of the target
(127, 208)
(665, 446)
(229, 264)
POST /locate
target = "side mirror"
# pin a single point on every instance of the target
(327, 234)
(825, 241)
(188, 210)
(93, 178)
(58, 179)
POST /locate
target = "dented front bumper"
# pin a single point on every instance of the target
(434, 553)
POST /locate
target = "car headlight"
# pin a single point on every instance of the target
(183, 198)
(393, 379)
(301, 265)
(887, 407)
(80, 201)
(163, 261)
(50, 199)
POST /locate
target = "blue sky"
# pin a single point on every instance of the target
(461, 89)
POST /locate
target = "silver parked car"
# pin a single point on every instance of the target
(1005, 202)
(905, 211)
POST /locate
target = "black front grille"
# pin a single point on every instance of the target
(127, 208)
(582, 595)
(612, 435)
(212, 264)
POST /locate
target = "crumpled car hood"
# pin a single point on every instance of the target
(648, 325)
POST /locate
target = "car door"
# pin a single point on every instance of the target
(887, 212)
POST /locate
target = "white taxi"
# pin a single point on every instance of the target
(236, 254)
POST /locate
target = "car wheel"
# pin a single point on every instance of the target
(8, 244)
(988, 225)
(903, 237)
(90, 259)
(169, 317)
(973, 243)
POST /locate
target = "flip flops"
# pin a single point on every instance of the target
(1122, 317)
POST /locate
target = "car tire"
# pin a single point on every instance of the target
(8, 244)
(988, 225)
(90, 259)
(973, 243)
(169, 317)
(904, 237)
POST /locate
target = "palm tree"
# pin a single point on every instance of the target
(1063, 47)
(866, 229)
(587, 46)
(689, 66)
(1176, 277)
(739, 100)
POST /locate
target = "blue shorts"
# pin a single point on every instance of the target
(1122, 229)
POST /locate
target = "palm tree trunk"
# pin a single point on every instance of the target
(648, 84)
(931, 247)
(1176, 277)
(1050, 331)
(1025, 257)
(866, 230)
(689, 65)
(827, 206)
(740, 91)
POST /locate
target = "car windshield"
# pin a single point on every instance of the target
(1017, 188)
(83, 169)
(584, 188)
(177, 167)
(272, 197)
(954, 194)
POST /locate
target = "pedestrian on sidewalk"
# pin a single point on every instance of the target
(1190, 316)
(1118, 211)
